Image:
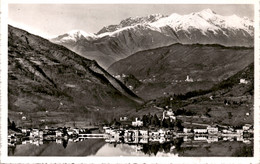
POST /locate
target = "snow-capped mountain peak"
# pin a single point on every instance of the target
(74, 36)
(80, 33)
(204, 21)
(204, 27)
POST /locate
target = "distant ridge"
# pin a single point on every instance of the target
(115, 42)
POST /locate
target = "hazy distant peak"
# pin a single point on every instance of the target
(74, 36)
(208, 11)
(80, 33)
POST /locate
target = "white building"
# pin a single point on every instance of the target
(212, 139)
(123, 118)
(169, 115)
(243, 81)
(240, 138)
(200, 131)
(186, 130)
(247, 127)
(188, 79)
(200, 138)
(24, 130)
(137, 122)
(161, 132)
(226, 131)
(240, 131)
(143, 133)
(58, 133)
(130, 87)
(212, 130)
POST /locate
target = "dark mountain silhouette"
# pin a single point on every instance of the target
(43, 76)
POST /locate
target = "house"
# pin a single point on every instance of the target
(200, 131)
(212, 139)
(24, 130)
(34, 133)
(240, 138)
(123, 118)
(212, 130)
(188, 79)
(240, 131)
(226, 131)
(244, 81)
(76, 130)
(186, 139)
(58, 133)
(246, 141)
(169, 115)
(137, 123)
(70, 132)
(247, 127)
(200, 138)
(154, 134)
(107, 130)
(143, 133)
(162, 140)
(186, 130)
(144, 140)
(59, 141)
(161, 132)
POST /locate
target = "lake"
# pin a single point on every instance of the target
(177, 147)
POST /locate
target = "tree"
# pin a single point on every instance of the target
(207, 112)
(13, 126)
(155, 120)
(229, 115)
(179, 125)
(9, 123)
(166, 123)
(145, 120)
(64, 143)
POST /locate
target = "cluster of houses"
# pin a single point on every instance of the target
(247, 128)
(167, 114)
(37, 136)
(209, 134)
(188, 79)
(136, 136)
(130, 136)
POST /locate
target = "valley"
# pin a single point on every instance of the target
(148, 80)
(142, 65)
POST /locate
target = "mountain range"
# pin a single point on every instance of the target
(115, 42)
(94, 78)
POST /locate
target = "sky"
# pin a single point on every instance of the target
(49, 20)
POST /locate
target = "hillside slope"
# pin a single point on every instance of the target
(165, 69)
(45, 79)
(226, 103)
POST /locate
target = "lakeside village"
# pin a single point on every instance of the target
(140, 131)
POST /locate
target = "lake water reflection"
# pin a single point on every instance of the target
(99, 147)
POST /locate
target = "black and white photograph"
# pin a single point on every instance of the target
(151, 80)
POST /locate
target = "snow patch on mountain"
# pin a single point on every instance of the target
(205, 20)
(201, 27)
(74, 36)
